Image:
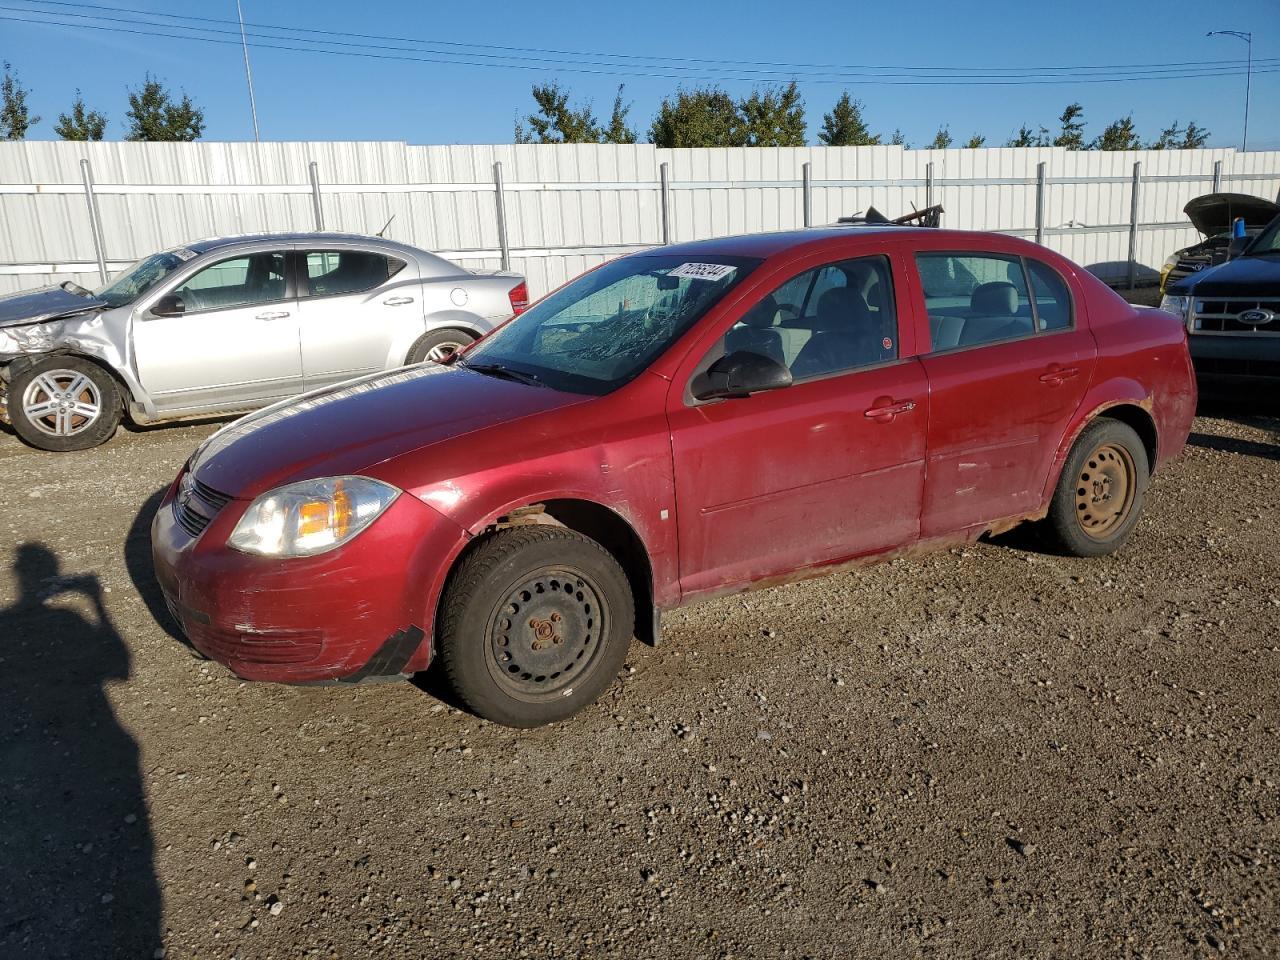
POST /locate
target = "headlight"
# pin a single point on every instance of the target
(307, 518)
(1175, 305)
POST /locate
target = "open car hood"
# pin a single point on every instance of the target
(46, 303)
(1212, 214)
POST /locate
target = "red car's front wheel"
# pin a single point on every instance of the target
(535, 624)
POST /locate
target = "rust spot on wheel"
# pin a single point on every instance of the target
(1105, 490)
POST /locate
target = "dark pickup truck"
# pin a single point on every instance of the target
(1232, 311)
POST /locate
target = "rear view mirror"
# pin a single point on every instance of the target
(170, 305)
(1237, 246)
(740, 374)
(666, 282)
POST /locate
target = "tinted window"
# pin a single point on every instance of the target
(844, 319)
(237, 282)
(1053, 300)
(973, 299)
(334, 272)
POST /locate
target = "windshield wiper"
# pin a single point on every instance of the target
(503, 371)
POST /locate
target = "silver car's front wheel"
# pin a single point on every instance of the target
(64, 403)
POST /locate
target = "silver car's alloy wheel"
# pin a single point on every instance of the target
(62, 403)
(442, 351)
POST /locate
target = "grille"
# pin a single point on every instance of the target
(1220, 315)
(197, 506)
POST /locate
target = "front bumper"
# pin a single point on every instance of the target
(362, 611)
(1229, 359)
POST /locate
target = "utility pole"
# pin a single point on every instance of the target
(248, 74)
(1248, 81)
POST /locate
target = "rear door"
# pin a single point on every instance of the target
(236, 342)
(352, 303)
(1008, 365)
(827, 468)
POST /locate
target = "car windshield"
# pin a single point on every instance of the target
(600, 331)
(1268, 241)
(141, 277)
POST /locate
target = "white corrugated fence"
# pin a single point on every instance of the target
(567, 208)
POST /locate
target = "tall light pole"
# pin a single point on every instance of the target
(1248, 82)
(248, 74)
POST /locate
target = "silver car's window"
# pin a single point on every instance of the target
(601, 330)
(141, 277)
(236, 282)
(334, 272)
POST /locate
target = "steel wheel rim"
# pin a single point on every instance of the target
(442, 351)
(546, 634)
(62, 403)
(1105, 490)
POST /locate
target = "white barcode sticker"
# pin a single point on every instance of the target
(702, 271)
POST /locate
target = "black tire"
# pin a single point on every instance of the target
(441, 342)
(64, 385)
(1099, 496)
(555, 604)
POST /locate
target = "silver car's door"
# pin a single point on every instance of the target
(234, 343)
(351, 304)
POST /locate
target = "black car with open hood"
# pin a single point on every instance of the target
(1212, 215)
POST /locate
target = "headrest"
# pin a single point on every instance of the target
(762, 314)
(996, 299)
(841, 309)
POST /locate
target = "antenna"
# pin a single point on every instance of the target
(384, 226)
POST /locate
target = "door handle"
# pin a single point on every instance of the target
(272, 315)
(886, 408)
(1057, 374)
(398, 301)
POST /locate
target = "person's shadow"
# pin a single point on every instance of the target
(76, 851)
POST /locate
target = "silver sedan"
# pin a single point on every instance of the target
(231, 324)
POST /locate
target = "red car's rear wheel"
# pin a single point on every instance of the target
(1099, 495)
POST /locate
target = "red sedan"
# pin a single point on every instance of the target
(674, 425)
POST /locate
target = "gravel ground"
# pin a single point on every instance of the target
(987, 752)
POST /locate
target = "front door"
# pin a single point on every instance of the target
(234, 344)
(828, 468)
(1006, 373)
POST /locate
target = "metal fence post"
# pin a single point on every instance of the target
(1135, 198)
(1041, 171)
(501, 201)
(664, 175)
(314, 170)
(1217, 176)
(806, 173)
(95, 221)
(928, 184)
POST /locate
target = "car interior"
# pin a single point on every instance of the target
(983, 299)
(334, 272)
(256, 278)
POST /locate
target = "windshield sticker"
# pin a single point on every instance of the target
(182, 253)
(702, 271)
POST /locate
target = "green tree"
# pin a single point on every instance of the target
(774, 118)
(942, 139)
(1194, 137)
(556, 121)
(15, 115)
(705, 117)
(82, 123)
(618, 131)
(1119, 135)
(154, 115)
(899, 140)
(975, 142)
(1072, 134)
(1173, 137)
(1025, 137)
(844, 126)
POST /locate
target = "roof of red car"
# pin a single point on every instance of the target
(768, 244)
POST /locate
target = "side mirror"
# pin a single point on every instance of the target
(170, 305)
(739, 374)
(1237, 246)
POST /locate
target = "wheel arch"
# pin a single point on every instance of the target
(467, 323)
(1131, 411)
(602, 524)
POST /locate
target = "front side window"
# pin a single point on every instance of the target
(828, 320)
(334, 272)
(974, 298)
(601, 330)
(236, 282)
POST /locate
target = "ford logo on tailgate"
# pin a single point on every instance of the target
(1255, 318)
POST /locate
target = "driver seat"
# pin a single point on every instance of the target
(755, 332)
